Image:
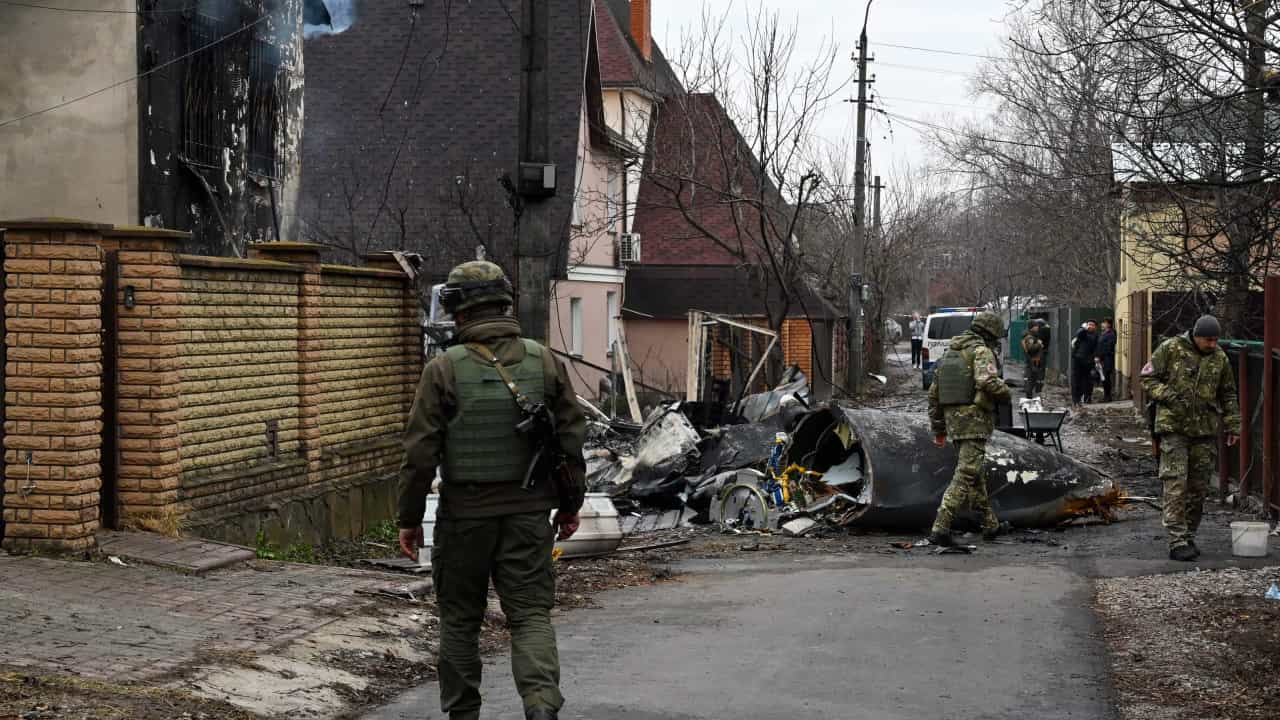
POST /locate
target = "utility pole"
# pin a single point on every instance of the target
(875, 212)
(535, 247)
(858, 256)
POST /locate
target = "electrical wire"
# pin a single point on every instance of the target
(921, 68)
(53, 8)
(135, 78)
(941, 52)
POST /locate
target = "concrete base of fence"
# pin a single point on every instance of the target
(334, 513)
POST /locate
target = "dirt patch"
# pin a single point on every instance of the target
(1193, 646)
(36, 696)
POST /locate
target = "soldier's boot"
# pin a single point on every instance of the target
(1194, 548)
(1183, 553)
(941, 539)
(1004, 528)
(541, 713)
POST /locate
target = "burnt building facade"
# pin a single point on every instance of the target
(165, 113)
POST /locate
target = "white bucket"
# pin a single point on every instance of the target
(1249, 539)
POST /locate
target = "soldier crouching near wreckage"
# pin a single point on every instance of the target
(962, 402)
(497, 415)
(1190, 380)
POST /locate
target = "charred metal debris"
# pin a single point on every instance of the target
(782, 463)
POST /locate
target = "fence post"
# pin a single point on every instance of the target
(1246, 425)
(1271, 319)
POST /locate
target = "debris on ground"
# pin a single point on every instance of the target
(781, 457)
(1193, 645)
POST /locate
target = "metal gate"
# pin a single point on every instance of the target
(1139, 346)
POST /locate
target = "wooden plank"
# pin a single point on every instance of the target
(627, 380)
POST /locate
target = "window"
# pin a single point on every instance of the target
(942, 327)
(612, 335)
(211, 94)
(613, 199)
(575, 326)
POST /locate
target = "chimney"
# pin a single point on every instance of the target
(641, 28)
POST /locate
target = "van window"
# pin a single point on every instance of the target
(943, 327)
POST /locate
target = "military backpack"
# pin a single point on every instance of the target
(954, 376)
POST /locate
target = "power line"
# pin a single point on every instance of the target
(932, 102)
(35, 6)
(921, 68)
(135, 78)
(941, 52)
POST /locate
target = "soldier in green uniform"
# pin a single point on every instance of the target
(962, 403)
(1191, 382)
(491, 523)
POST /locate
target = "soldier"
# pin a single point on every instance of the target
(962, 402)
(491, 523)
(1190, 380)
(1033, 351)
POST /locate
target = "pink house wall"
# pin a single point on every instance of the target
(659, 352)
(592, 271)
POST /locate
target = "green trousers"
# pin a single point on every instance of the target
(968, 488)
(514, 551)
(1187, 466)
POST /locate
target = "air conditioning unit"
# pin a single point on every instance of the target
(629, 248)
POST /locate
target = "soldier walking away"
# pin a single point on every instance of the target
(962, 403)
(1084, 353)
(497, 416)
(1190, 380)
(917, 339)
(1033, 351)
(1107, 356)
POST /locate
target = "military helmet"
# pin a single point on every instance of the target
(988, 324)
(478, 282)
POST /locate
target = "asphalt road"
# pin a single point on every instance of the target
(853, 636)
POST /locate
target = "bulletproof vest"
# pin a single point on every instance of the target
(955, 378)
(482, 444)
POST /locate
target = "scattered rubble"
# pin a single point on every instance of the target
(834, 466)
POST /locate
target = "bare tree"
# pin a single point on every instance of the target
(732, 157)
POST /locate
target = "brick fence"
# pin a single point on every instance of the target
(236, 396)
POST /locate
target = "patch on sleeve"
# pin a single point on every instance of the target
(1148, 370)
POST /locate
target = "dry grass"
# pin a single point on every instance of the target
(165, 521)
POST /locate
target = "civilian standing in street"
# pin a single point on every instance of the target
(1107, 356)
(917, 339)
(1033, 351)
(1190, 380)
(481, 417)
(1084, 353)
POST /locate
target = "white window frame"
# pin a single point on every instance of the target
(575, 326)
(611, 303)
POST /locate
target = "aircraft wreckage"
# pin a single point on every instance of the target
(848, 467)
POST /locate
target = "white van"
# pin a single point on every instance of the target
(939, 328)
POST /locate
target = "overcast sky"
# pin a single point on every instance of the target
(937, 93)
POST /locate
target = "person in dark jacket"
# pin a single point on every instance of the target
(1107, 356)
(1084, 352)
(493, 523)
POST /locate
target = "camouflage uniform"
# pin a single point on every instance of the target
(969, 426)
(1195, 395)
(488, 527)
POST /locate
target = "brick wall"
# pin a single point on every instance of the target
(797, 344)
(234, 387)
(366, 369)
(53, 398)
(238, 377)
